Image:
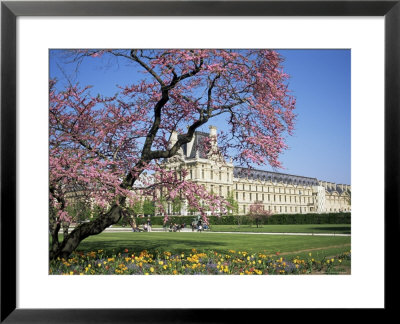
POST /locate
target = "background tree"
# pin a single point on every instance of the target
(137, 208)
(148, 207)
(176, 205)
(112, 141)
(257, 213)
(233, 208)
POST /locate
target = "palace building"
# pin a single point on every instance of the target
(280, 193)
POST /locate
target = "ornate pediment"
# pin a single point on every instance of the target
(177, 158)
(216, 157)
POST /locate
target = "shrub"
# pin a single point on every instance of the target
(276, 219)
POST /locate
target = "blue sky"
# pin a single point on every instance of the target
(319, 79)
(320, 146)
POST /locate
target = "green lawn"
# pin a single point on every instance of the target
(113, 243)
(300, 228)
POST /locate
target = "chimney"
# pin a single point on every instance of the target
(213, 137)
(213, 131)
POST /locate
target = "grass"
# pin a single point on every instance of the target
(113, 243)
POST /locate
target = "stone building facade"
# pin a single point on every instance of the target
(280, 193)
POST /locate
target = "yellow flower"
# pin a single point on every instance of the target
(151, 269)
(71, 273)
(309, 254)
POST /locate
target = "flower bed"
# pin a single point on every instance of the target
(195, 263)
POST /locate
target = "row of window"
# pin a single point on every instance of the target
(250, 187)
(212, 173)
(336, 199)
(220, 189)
(339, 209)
(191, 174)
(275, 198)
(257, 188)
(282, 209)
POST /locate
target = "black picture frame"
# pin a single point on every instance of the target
(10, 10)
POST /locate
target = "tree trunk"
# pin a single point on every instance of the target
(55, 244)
(72, 240)
(65, 227)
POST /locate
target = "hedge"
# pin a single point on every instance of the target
(287, 219)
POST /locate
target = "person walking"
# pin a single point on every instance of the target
(199, 226)
(133, 224)
(148, 225)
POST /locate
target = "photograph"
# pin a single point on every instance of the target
(177, 161)
(184, 161)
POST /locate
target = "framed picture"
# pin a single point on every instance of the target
(30, 29)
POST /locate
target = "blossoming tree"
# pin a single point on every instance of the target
(106, 144)
(258, 213)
